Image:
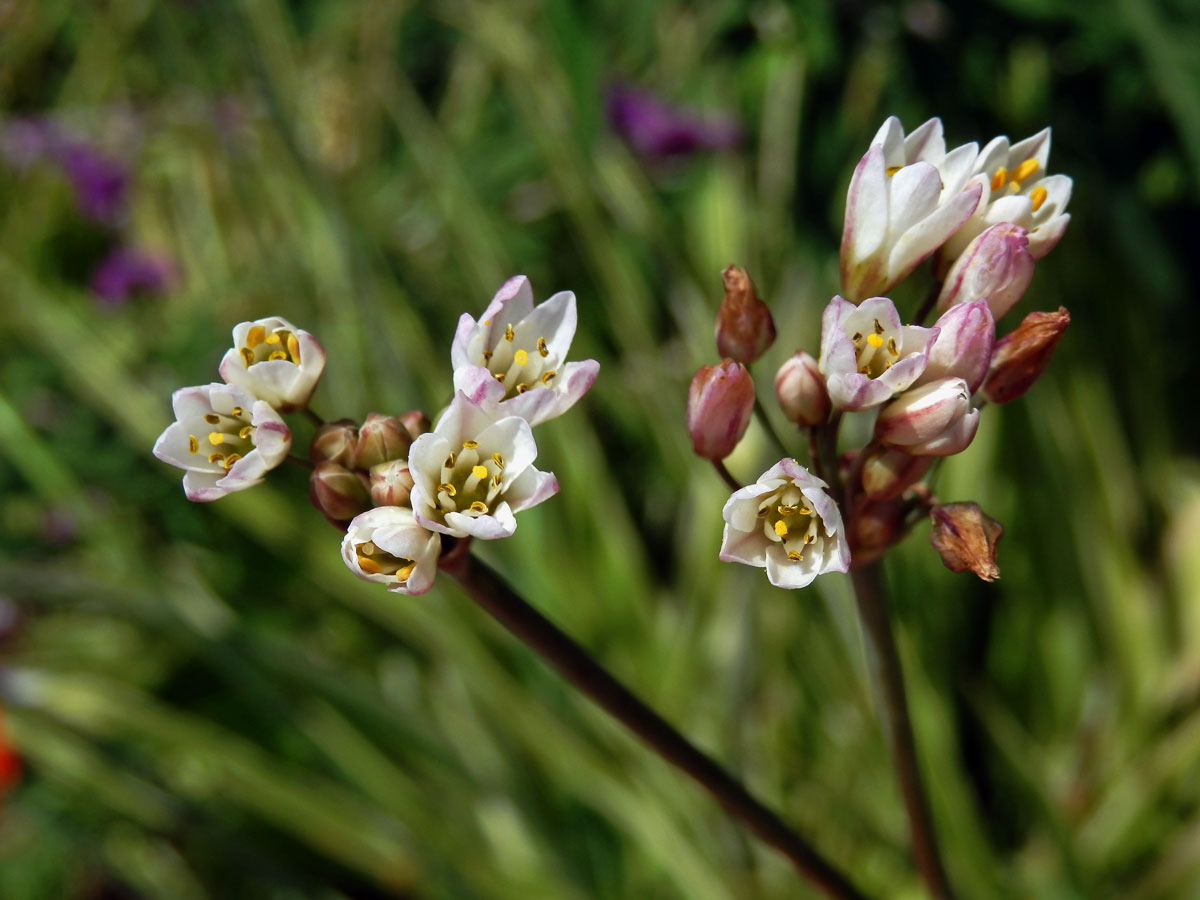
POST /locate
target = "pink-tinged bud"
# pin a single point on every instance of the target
(391, 483)
(966, 537)
(1020, 358)
(745, 328)
(926, 417)
(800, 388)
(338, 493)
(874, 528)
(381, 439)
(963, 346)
(720, 401)
(334, 442)
(997, 267)
(415, 422)
(889, 473)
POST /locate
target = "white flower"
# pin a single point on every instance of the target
(275, 361)
(867, 355)
(1015, 188)
(224, 438)
(900, 207)
(474, 471)
(387, 546)
(787, 523)
(514, 356)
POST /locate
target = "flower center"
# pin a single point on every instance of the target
(789, 520)
(876, 350)
(231, 438)
(278, 344)
(375, 561)
(519, 364)
(1002, 177)
(471, 480)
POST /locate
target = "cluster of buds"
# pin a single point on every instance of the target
(395, 485)
(983, 217)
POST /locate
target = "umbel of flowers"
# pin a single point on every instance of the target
(396, 485)
(982, 218)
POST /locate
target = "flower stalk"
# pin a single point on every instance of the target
(498, 599)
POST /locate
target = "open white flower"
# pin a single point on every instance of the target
(225, 439)
(513, 358)
(275, 361)
(387, 546)
(787, 523)
(474, 471)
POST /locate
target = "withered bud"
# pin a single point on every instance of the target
(1020, 357)
(338, 493)
(334, 442)
(874, 527)
(745, 328)
(381, 439)
(391, 483)
(966, 537)
(889, 473)
(415, 422)
(720, 401)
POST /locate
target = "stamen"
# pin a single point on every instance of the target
(546, 376)
(892, 170)
(1014, 187)
(875, 341)
(237, 411)
(480, 472)
(487, 354)
(230, 460)
(878, 329)
(470, 445)
(255, 336)
(809, 538)
(212, 418)
(369, 565)
(508, 332)
(787, 511)
(367, 548)
(495, 481)
(498, 460)
(500, 377)
(193, 444)
(274, 338)
(1025, 169)
(215, 457)
(521, 357)
(403, 572)
(277, 354)
(247, 356)
(216, 438)
(294, 348)
(542, 348)
(449, 463)
(864, 370)
(762, 513)
(892, 347)
(794, 556)
(522, 388)
(245, 433)
(1037, 197)
(999, 178)
(781, 529)
(857, 339)
(805, 511)
(448, 489)
(479, 506)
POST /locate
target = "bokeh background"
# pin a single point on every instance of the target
(206, 704)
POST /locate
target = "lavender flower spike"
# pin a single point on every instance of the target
(127, 271)
(654, 129)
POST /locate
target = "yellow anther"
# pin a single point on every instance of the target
(230, 460)
(367, 548)
(369, 565)
(878, 327)
(215, 457)
(496, 481)
(1025, 169)
(864, 370)
(479, 472)
(403, 572)
(255, 336)
(500, 377)
(794, 556)
(999, 179)
(237, 411)
(470, 445)
(805, 511)
(449, 463)
(1014, 187)
(762, 513)
(508, 332)
(892, 347)
(498, 460)
(479, 507)
(245, 433)
(521, 357)
(892, 170)
(546, 376)
(448, 489)
(857, 339)
(1037, 197)
(781, 529)
(274, 338)
(522, 388)
(216, 438)
(487, 354)
(212, 418)
(247, 356)
(875, 341)
(277, 354)
(787, 510)
(294, 348)
(809, 538)
(542, 348)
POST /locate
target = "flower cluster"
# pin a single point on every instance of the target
(394, 484)
(983, 217)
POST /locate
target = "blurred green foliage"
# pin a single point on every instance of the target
(208, 705)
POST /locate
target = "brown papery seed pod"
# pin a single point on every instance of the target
(745, 328)
(965, 537)
(1020, 357)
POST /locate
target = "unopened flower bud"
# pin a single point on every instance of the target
(933, 420)
(745, 328)
(391, 483)
(415, 422)
(334, 442)
(720, 401)
(996, 267)
(1020, 358)
(800, 389)
(963, 346)
(889, 473)
(338, 493)
(381, 439)
(966, 537)
(874, 527)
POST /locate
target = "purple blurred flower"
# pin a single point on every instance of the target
(100, 182)
(654, 129)
(127, 270)
(24, 142)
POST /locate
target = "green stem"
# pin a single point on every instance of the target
(765, 421)
(719, 465)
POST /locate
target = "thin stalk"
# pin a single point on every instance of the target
(719, 465)
(765, 421)
(313, 417)
(490, 591)
(300, 462)
(884, 662)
